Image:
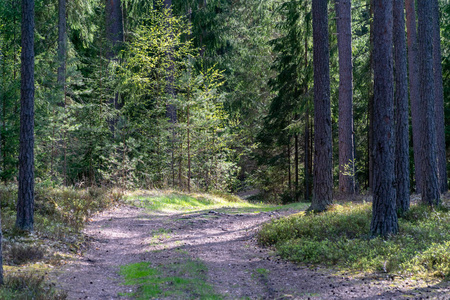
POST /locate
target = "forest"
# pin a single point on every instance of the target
(307, 105)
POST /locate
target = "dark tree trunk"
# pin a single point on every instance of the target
(439, 100)
(114, 34)
(384, 215)
(323, 179)
(25, 203)
(430, 192)
(289, 164)
(414, 94)
(402, 109)
(346, 144)
(62, 44)
(307, 159)
(370, 108)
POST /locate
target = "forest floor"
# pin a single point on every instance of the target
(216, 253)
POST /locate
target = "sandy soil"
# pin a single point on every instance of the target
(226, 243)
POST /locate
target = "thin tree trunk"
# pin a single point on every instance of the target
(307, 158)
(384, 214)
(323, 178)
(430, 192)
(25, 203)
(289, 164)
(414, 90)
(189, 145)
(296, 167)
(439, 100)
(346, 144)
(402, 109)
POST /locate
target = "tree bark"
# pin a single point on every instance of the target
(384, 215)
(439, 100)
(402, 109)
(323, 179)
(62, 44)
(25, 203)
(346, 144)
(414, 90)
(430, 192)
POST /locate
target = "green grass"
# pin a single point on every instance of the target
(183, 279)
(159, 201)
(340, 237)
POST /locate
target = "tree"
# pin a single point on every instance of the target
(439, 100)
(346, 143)
(430, 187)
(414, 94)
(25, 203)
(384, 215)
(323, 178)
(401, 109)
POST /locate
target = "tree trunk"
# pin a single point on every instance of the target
(346, 144)
(307, 159)
(114, 34)
(402, 109)
(296, 167)
(370, 109)
(430, 192)
(384, 215)
(323, 179)
(439, 100)
(62, 44)
(25, 203)
(414, 94)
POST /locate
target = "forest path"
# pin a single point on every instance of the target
(220, 245)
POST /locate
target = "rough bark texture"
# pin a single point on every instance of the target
(346, 144)
(62, 43)
(402, 109)
(25, 203)
(323, 179)
(414, 88)
(430, 192)
(1, 252)
(439, 100)
(384, 214)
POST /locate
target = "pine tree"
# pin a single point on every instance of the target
(25, 203)
(430, 192)
(401, 109)
(384, 215)
(346, 139)
(323, 179)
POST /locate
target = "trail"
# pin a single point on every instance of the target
(225, 242)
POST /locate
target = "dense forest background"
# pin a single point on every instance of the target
(209, 95)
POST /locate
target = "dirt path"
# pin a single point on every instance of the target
(225, 242)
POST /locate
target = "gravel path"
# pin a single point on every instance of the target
(225, 242)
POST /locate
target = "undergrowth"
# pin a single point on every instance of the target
(340, 237)
(60, 214)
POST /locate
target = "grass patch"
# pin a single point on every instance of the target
(169, 201)
(340, 237)
(184, 279)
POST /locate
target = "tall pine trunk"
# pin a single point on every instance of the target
(430, 192)
(346, 144)
(414, 90)
(401, 109)
(323, 178)
(25, 203)
(384, 215)
(439, 100)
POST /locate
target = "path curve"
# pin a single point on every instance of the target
(225, 243)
